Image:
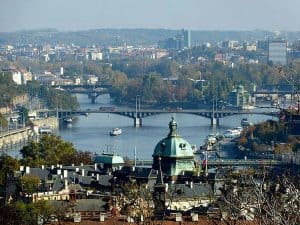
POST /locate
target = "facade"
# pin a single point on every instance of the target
(239, 97)
(175, 153)
(278, 52)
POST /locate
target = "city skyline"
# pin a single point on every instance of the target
(191, 14)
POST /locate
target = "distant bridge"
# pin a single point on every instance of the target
(92, 90)
(137, 115)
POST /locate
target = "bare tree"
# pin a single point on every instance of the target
(258, 197)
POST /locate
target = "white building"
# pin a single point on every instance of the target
(17, 77)
(278, 52)
(96, 56)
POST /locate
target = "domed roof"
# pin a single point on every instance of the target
(173, 145)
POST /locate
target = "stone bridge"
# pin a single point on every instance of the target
(92, 90)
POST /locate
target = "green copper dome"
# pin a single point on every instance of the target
(173, 146)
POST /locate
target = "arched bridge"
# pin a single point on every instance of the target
(138, 115)
(93, 91)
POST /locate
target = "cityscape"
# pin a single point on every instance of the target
(119, 116)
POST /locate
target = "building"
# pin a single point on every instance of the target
(180, 41)
(277, 51)
(175, 153)
(186, 38)
(239, 97)
(95, 56)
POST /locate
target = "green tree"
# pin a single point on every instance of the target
(8, 165)
(32, 212)
(50, 150)
(30, 183)
(3, 121)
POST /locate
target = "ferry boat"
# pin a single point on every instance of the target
(115, 132)
(45, 130)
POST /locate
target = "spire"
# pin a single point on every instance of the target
(173, 128)
(159, 179)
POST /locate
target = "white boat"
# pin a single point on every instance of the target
(232, 133)
(68, 120)
(115, 132)
(45, 130)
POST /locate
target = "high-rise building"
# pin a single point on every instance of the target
(186, 34)
(278, 51)
(180, 41)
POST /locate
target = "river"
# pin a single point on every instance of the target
(91, 133)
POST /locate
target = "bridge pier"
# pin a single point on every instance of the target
(137, 122)
(214, 121)
(93, 99)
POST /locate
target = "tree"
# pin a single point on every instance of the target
(50, 150)
(30, 184)
(32, 212)
(8, 165)
(136, 201)
(81, 157)
(262, 197)
(3, 121)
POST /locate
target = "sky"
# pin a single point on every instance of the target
(68, 15)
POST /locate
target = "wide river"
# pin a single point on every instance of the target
(91, 133)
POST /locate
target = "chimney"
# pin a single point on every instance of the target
(65, 173)
(73, 164)
(21, 168)
(60, 166)
(27, 170)
(81, 164)
(97, 177)
(191, 185)
(43, 167)
(66, 184)
(95, 166)
(82, 172)
(76, 169)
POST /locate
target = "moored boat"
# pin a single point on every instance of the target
(232, 133)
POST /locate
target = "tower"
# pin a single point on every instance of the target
(174, 152)
(159, 194)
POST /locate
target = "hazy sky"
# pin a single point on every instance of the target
(174, 14)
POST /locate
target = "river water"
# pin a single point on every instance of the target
(91, 133)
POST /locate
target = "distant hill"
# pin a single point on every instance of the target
(105, 37)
